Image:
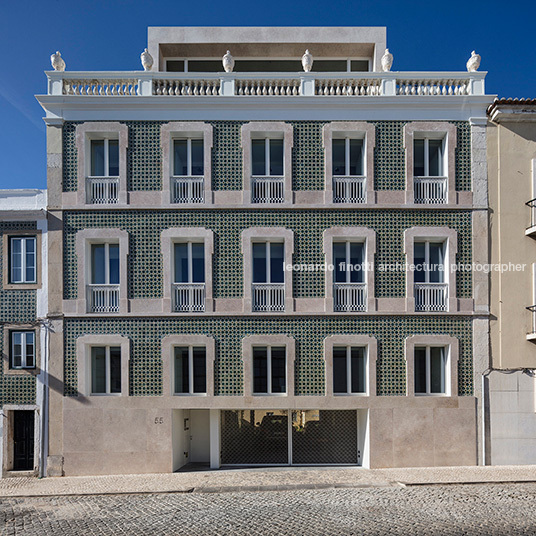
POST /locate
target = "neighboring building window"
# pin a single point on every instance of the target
(268, 276)
(349, 370)
(23, 257)
(22, 350)
(190, 370)
(269, 370)
(189, 276)
(105, 158)
(430, 367)
(105, 370)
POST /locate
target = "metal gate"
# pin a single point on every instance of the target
(297, 437)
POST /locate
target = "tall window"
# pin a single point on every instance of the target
(428, 158)
(190, 368)
(269, 370)
(268, 262)
(267, 157)
(105, 158)
(348, 157)
(430, 370)
(105, 264)
(22, 349)
(189, 262)
(429, 260)
(349, 370)
(349, 261)
(23, 259)
(105, 370)
(188, 157)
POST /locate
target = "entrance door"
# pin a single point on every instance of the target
(23, 440)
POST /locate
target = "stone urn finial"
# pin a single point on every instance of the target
(146, 60)
(473, 63)
(387, 61)
(228, 62)
(57, 61)
(307, 61)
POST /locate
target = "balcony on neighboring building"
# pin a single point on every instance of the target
(349, 189)
(531, 229)
(268, 297)
(531, 335)
(267, 190)
(102, 190)
(103, 298)
(188, 297)
(431, 297)
(187, 190)
(349, 297)
(430, 190)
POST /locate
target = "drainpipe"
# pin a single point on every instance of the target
(44, 408)
(483, 424)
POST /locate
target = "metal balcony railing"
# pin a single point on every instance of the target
(188, 297)
(532, 309)
(430, 190)
(103, 298)
(349, 297)
(532, 206)
(267, 190)
(431, 297)
(349, 190)
(187, 189)
(268, 297)
(102, 190)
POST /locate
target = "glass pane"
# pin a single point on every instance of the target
(181, 263)
(16, 350)
(419, 251)
(260, 370)
(357, 260)
(356, 157)
(359, 66)
(113, 158)
(329, 66)
(198, 263)
(30, 259)
(434, 153)
(278, 370)
(30, 350)
(182, 374)
(339, 260)
(97, 158)
(358, 370)
(258, 157)
(174, 66)
(180, 162)
(259, 262)
(197, 157)
(115, 369)
(276, 158)
(98, 369)
(200, 369)
(16, 260)
(420, 370)
(437, 364)
(276, 262)
(437, 263)
(114, 263)
(339, 157)
(418, 158)
(98, 268)
(340, 379)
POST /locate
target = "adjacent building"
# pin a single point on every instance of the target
(260, 266)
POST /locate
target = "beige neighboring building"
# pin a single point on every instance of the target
(512, 192)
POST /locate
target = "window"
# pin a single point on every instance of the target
(430, 364)
(190, 368)
(105, 370)
(104, 158)
(187, 157)
(23, 350)
(104, 280)
(189, 276)
(347, 157)
(269, 370)
(268, 276)
(429, 260)
(349, 370)
(23, 251)
(267, 157)
(428, 158)
(349, 262)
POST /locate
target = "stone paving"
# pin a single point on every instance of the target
(494, 509)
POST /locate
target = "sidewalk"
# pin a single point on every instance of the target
(262, 479)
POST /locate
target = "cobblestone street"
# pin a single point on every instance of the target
(449, 510)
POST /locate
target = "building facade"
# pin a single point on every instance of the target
(510, 383)
(24, 331)
(230, 281)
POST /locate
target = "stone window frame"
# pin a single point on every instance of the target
(350, 234)
(453, 348)
(432, 130)
(83, 360)
(169, 343)
(88, 131)
(352, 129)
(182, 129)
(272, 129)
(84, 239)
(6, 259)
(445, 234)
(267, 234)
(6, 357)
(371, 344)
(268, 340)
(175, 235)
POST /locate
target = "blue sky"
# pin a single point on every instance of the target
(110, 34)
